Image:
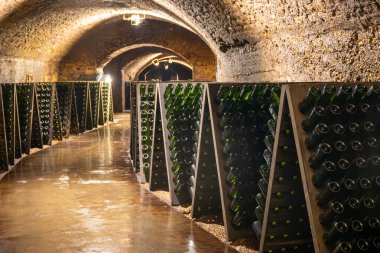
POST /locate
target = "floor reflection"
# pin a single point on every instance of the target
(81, 196)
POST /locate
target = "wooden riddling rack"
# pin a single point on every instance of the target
(134, 149)
(298, 195)
(33, 115)
(142, 109)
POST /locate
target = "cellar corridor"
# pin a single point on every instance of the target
(78, 196)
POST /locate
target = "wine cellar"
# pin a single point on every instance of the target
(34, 115)
(294, 167)
(193, 126)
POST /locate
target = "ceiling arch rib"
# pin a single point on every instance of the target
(121, 51)
(116, 37)
(133, 61)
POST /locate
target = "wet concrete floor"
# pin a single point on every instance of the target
(81, 196)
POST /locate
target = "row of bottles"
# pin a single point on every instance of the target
(12, 130)
(343, 136)
(287, 227)
(159, 177)
(183, 105)
(247, 120)
(147, 99)
(134, 149)
(107, 102)
(38, 113)
(205, 192)
(45, 98)
(261, 186)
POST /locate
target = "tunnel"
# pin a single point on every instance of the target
(189, 126)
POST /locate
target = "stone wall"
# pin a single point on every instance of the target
(261, 40)
(17, 70)
(99, 46)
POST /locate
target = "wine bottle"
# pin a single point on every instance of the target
(257, 226)
(333, 112)
(222, 93)
(309, 100)
(260, 199)
(351, 206)
(259, 214)
(368, 129)
(269, 142)
(360, 245)
(358, 93)
(323, 150)
(371, 145)
(343, 247)
(339, 229)
(168, 91)
(348, 185)
(335, 209)
(343, 94)
(375, 244)
(373, 95)
(318, 135)
(317, 115)
(240, 220)
(356, 228)
(327, 95)
(331, 189)
(263, 186)
(324, 172)
(247, 92)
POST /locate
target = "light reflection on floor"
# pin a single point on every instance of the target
(81, 196)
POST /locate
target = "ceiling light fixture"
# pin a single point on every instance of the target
(156, 62)
(135, 19)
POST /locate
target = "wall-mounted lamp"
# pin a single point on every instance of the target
(135, 19)
(166, 66)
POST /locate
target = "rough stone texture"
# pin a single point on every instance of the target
(16, 70)
(261, 40)
(86, 60)
(310, 40)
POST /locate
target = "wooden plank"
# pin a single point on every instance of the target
(3, 138)
(134, 129)
(81, 92)
(9, 110)
(206, 198)
(267, 243)
(64, 96)
(17, 142)
(57, 134)
(36, 133)
(88, 120)
(74, 118)
(25, 102)
(44, 94)
(295, 94)
(95, 102)
(169, 164)
(158, 172)
(230, 231)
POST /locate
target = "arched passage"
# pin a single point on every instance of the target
(117, 37)
(127, 65)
